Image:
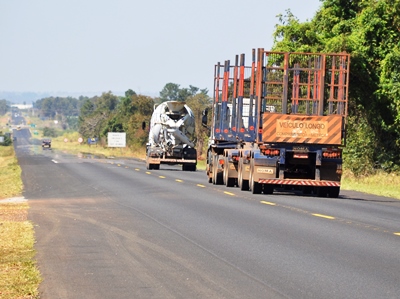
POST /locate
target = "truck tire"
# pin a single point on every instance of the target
(322, 191)
(231, 182)
(333, 192)
(217, 176)
(243, 184)
(153, 166)
(268, 189)
(255, 187)
(227, 181)
(189, 167)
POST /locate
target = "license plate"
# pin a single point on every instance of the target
(300, 156)
(265, 170)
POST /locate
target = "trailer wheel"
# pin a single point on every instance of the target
(333, 192)
(153, 166)
(217, 177)
(307, 190)
(230, 182)
(268, 189)
(189, 167)
(243, 184)
(227, 181)
(255, 187)
(322, 191)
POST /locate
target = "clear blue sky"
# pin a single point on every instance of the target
(116, 45)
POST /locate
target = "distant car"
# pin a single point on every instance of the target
(46, 143)
(18, 127)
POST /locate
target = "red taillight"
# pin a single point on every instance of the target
(221, 162)
(329, 154)
(271, 152)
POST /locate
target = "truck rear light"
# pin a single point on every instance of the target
(271, 152)
(331, 154)
(221, 162)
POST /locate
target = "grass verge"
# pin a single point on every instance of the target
(381, 184)
(10, 173)
(19, 276)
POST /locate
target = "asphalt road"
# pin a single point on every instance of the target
(111, 229)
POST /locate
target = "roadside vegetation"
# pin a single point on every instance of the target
(19, 275)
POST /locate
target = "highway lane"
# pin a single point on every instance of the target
(112, 229)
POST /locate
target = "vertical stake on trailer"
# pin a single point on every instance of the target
(259, 85)
(224, 105)
(234, 122)
(216, 111)
(252, 122)
(321, 85)
(240, 98)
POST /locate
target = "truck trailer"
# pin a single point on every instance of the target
(280, 123)
(171, 137)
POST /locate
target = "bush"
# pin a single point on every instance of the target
(7, 139)
(49, 132)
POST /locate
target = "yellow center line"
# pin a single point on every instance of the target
(126, 167)
(180, 181)
(229, 193)
(119, 164)
(148, 172)
(268, 203)
(324, 216)
(162, 177)
(202, 186)
(397, 234)
(137, 169)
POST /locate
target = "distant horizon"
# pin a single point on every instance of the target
(18, 97)
(49, 47)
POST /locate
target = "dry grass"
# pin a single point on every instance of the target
(19, 276)
(10, 173)
(382, 184)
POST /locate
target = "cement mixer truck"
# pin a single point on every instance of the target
(171, 137)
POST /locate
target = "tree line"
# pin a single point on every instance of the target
(369, 31)
(95, 117)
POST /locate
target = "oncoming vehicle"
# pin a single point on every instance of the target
(46, 143)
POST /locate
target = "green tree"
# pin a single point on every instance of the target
(3, 107)
(368, 30)
(173, 92)
(170, 92)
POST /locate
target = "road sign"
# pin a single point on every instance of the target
(116, 139)
(92, 140)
